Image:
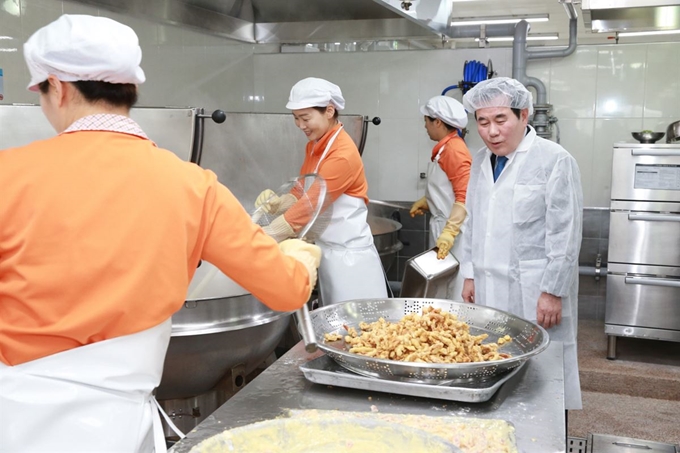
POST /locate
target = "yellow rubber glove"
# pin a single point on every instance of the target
(451, 230)
(419, 207)
(279, 229)
(307, 254)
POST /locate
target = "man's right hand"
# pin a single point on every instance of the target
(469, 290)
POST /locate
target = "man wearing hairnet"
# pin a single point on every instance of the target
(523, 231)
(100, 234)
(447, 179)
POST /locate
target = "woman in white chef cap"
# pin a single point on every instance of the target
(351, 267)
(101, 234)
(447, 178)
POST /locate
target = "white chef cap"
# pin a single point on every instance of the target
(79, 47)
(446, 109)
(498, 92)
(313, 92)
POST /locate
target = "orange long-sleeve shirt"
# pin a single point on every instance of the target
(101, 233)
(455, 160)
(342, 169)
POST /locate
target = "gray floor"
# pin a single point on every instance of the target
(637, 395)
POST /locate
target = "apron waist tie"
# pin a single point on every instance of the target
(159, 438)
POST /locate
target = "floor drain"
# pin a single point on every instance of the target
(576, 445)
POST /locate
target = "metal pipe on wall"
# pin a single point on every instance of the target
(520, 56)
(519, 62)
(557, 53)
(475, 31)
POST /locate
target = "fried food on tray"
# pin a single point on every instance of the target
(436, 336)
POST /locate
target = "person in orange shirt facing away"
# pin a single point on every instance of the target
(100, 234)
(447, 179)
(351, 267)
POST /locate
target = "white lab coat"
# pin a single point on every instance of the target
(524, 237)
(350, 265)
(440, 199)
(93, 398)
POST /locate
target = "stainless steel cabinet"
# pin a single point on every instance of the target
(643, 283)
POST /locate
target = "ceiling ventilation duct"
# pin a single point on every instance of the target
(434, 15)
(606, 16)
(294, 21)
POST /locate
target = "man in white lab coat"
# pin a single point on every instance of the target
(525, 208)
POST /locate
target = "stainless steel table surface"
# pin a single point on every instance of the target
(533, 401)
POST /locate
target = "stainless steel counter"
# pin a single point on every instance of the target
(533, 401)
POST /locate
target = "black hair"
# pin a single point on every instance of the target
(323, 110)
(448, 126)
(115, 94)
(517, 113)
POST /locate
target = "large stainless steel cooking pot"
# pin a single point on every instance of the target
(212, 335)
(386, 239)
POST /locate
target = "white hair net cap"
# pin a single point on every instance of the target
(498, 92)
(80, 47)
(446, 109)
(313, 92)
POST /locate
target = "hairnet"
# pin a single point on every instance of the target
(313, 92)
(446, 109)
(498, 92)
(80, 47)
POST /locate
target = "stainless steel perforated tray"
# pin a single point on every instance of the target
(528, 339)
(324, 370)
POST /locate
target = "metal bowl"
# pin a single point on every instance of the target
(528, 339)
(648, 137)
(673, 132)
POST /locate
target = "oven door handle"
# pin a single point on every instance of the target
(655, 152)
(655, 217)
(653, 282)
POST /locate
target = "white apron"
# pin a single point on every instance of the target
(507, 267)
(440, 200)
(91, 399)
(350, 267)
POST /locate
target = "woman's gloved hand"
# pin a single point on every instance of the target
(451, 230)
(268, 200)
(272, 203)
(308, 254)
(419, 207)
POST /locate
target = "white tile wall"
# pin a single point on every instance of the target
(573, 84)
(621, 81)
(662, 86)
(607, 132)
(600, 94)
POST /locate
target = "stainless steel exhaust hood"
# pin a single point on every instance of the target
(294, 21)
(606, 16)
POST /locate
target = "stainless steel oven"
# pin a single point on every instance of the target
(643, 278)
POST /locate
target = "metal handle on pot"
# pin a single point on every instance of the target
(306, 329)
